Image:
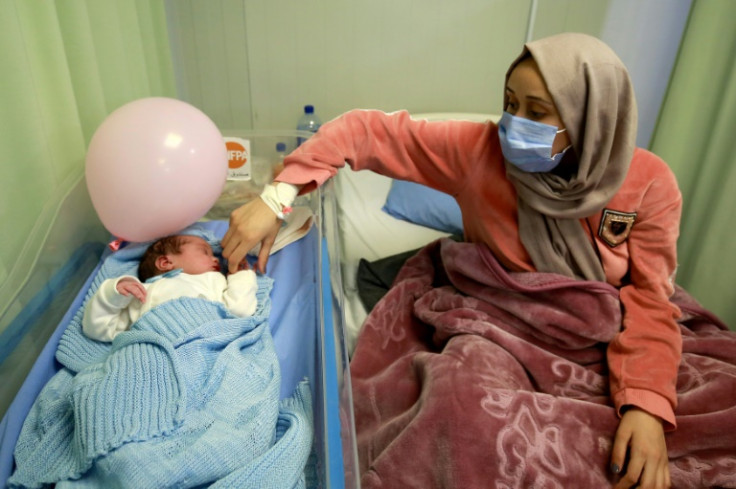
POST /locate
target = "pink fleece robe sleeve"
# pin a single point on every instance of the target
(392, 144)
(645, 356)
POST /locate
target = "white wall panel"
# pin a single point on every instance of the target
(418, 55)
(210, 54)
(421, 55)
(554, 16)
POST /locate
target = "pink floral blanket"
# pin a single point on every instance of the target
(466, 376)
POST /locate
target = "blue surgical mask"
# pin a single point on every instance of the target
(528, 144)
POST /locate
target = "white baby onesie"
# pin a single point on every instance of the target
(109, 313)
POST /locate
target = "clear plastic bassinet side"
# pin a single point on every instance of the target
(337, 353)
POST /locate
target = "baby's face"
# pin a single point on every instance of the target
(195, 257)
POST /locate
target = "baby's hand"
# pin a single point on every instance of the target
(243, 265)
(128, 286)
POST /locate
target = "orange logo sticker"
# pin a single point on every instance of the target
(236, 154)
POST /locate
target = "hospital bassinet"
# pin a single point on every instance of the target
(306, 323)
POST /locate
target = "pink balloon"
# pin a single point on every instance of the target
(154, 167)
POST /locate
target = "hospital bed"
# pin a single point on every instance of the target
(418, 395)
(371, 226)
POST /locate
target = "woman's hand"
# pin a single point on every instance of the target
(642, 435)
(250, 224)
(127, 286)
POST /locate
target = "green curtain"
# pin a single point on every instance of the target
(696, 135)
(65, 66)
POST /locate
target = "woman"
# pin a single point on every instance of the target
(558, 186)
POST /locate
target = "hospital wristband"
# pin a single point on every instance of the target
(279, 197)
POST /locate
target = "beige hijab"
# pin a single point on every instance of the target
(595, 99)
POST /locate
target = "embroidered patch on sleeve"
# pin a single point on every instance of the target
(616, 226)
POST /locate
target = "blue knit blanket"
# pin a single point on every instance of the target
(188, 397)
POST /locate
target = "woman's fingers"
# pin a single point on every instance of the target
(642, 435)
(250, 224)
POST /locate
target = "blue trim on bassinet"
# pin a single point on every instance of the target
(38, 305)
(336, 469)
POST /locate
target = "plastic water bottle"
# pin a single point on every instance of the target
(280, 155)
(309, 121)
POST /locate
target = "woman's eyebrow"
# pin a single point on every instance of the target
(540, 100)
(534, 98)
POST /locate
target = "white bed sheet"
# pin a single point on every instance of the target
(365, 231)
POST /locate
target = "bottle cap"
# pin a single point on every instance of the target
(309, 109)
(280, 147)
